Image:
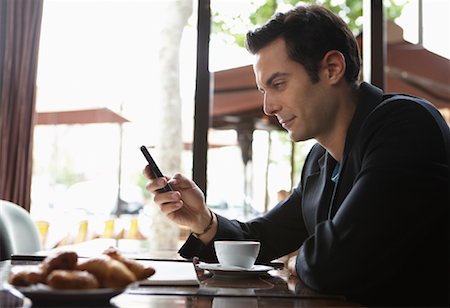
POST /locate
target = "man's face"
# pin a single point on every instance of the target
(304, 109)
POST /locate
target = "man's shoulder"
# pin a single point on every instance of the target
(377, 102)
(407, 103)
(401, 117)
(404, 107)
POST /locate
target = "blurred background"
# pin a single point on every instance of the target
(117, 74)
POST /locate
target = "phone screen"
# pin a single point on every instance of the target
(156, 172)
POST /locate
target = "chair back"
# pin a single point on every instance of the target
(18, 232)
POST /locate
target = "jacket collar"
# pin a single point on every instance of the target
(369, 97)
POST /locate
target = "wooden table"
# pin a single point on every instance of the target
(276, 289)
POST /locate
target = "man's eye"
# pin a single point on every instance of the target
(278, 85)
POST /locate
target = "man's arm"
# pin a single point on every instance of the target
(280, 231)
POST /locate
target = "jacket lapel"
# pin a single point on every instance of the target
(370, 97)
(317, 192)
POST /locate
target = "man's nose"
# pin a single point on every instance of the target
(269, 106)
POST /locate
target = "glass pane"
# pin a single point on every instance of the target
(108, 63)
(236, 189)
(435, 24)
(436, 27)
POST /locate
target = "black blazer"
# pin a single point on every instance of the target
(380, 235)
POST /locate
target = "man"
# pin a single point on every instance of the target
(369, 217)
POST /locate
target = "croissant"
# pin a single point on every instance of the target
(110, 273)
(63, 270)
(119, 275)
(23, 276)
(140, 271)
(66, 260)
(64, 279)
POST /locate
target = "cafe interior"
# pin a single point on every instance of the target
(84, 84)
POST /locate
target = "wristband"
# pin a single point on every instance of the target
(197, 235)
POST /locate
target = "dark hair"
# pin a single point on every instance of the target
(309, 32)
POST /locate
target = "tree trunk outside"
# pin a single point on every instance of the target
(165, 233)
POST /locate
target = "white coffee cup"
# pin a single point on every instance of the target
(237, 253)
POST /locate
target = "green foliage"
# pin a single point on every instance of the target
(264, 12)
(393, 10)
(349, 10)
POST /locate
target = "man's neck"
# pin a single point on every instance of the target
(335, 141)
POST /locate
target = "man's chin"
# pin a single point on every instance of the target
(297, 138)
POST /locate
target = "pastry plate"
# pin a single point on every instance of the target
(41, 293)
(233, 271)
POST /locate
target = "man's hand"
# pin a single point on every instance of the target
(291, 264)
(185, 205)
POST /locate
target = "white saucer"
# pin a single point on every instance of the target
(221, 270)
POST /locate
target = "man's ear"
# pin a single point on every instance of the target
(333, 64)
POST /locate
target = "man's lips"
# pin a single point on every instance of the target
(285, 122)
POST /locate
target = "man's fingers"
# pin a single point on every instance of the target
(167, 197)
(155, 184)
(148, 172)
(291, 265)
(170, 207)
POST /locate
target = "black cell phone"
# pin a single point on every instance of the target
(156, 172)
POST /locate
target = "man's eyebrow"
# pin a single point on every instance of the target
(273, 76)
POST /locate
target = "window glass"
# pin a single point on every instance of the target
(435, 24)
(100, 97)
(236, 189)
